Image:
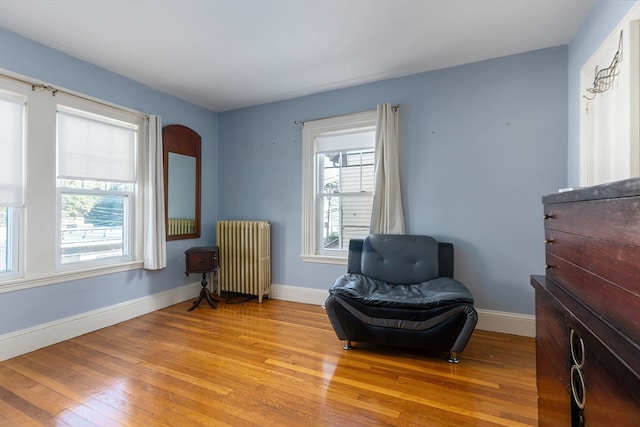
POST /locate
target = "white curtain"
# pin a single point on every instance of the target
(387, 216)
(155, 245)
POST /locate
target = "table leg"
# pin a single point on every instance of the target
(204, 294)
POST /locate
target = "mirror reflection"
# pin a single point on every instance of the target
(182, 182)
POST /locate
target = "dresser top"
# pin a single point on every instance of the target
(625, 188)
(201, 249)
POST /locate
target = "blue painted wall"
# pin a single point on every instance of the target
(480, 144)
(27, 308)
(604, 16)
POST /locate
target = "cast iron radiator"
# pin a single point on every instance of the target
(245, 257)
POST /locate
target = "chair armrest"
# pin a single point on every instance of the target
(445, 259)
(355, 256)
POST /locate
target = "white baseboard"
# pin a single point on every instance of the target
(299, 294)
(506, 323)
(30, 339)
(488, 320)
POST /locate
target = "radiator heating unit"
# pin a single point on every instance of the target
(244, 257)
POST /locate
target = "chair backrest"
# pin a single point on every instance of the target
(445, 257)
(395, 258)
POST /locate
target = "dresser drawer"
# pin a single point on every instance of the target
(618, 264)
(603, 274)
(614, 304)
(607, 219)
(201, 260)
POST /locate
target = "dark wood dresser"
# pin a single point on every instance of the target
(588, 308)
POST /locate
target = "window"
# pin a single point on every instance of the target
(8, 241)
(76, 210)
(11, 178)
(338, 183)
(94, 220)
(96, 171)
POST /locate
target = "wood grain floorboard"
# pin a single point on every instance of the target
(273, 364)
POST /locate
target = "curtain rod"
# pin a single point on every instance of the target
(53, 90)
(297, 122)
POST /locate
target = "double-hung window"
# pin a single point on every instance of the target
(12, 107)
(96, 177)
(70, 185)
(338, 184)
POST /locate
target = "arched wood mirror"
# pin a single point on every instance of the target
(181, 159)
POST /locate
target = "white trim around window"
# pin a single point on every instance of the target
(38, 219)
(310, 209)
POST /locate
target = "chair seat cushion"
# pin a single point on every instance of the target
(433, 293)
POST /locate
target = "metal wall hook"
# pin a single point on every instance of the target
(603, 80)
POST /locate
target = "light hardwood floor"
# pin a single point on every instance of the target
(273, 364)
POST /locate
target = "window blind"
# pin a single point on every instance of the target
(332, 143)
(93, 147)
(11, 150)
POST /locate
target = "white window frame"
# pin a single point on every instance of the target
(310, 206)
(107, 114)
(13, 245)
(38, 252)
(127, 233)
(14, 214)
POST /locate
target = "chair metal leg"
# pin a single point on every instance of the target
(347, 346)
(453, 357)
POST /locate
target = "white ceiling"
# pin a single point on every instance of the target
(226, 54)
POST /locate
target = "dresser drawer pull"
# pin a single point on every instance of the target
(577, 386)
(549, 216)
(577, 349)
(549, 267)
(549, 241)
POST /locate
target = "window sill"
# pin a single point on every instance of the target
(325, 259)
(26, 283)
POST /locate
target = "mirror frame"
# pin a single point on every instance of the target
(180, 139)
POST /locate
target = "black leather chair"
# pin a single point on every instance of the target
(399, 291)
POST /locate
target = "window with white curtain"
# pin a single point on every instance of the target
(338, 184)
(74, 210)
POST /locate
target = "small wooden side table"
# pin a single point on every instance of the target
(203, 260)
